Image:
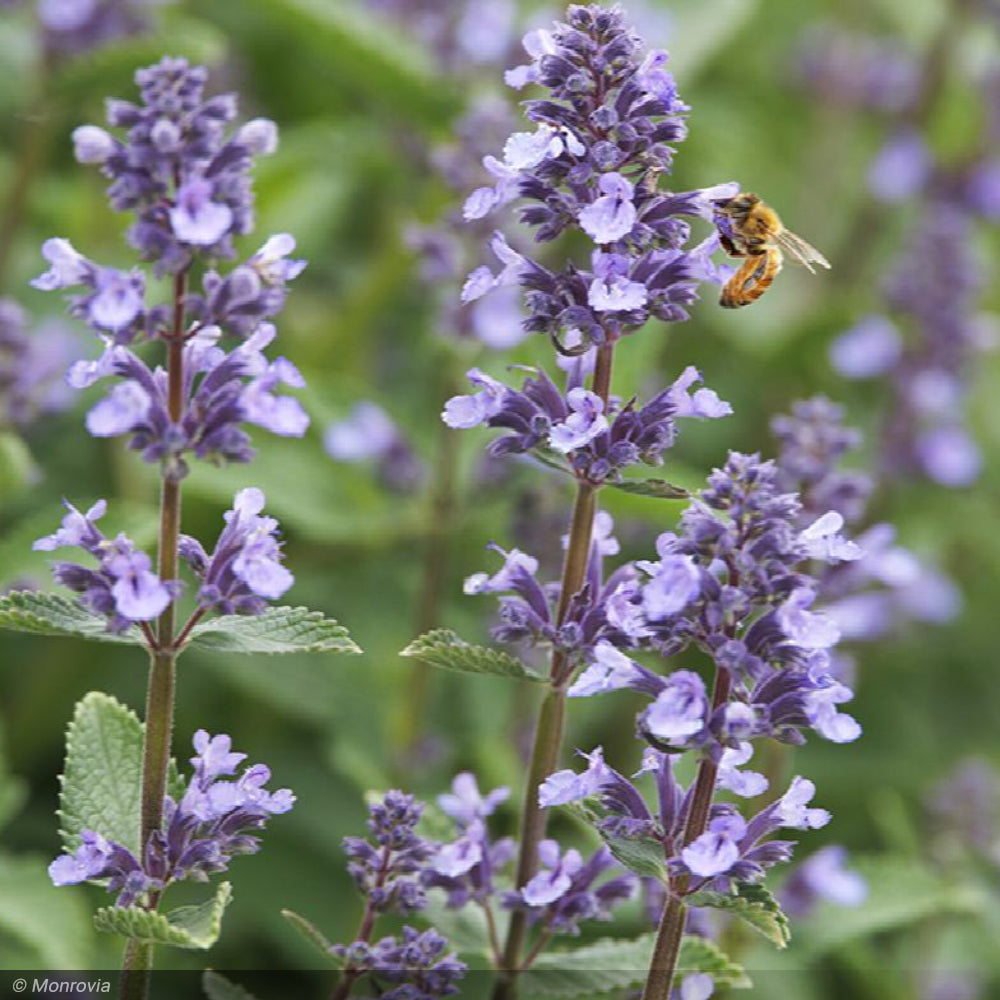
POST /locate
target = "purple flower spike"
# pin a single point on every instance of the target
(245, 570)
(214, 822)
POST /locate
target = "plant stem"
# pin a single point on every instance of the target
(137, 962)
(552, 715)
(666, 949)
(671, 929)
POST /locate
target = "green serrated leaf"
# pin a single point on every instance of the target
(659, 489)
(612, 966)
(190, 927)
(644, 856)
(753, 903)
(102, 780)
(314, 936)
(443, 648)
(52, 614)
(217, 987)
(276, 631)
(101, 787)
(698, 954)
(604, 966)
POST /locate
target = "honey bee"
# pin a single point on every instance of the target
(749, 228)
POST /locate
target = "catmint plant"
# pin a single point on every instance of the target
(735, 581)
(186, 379)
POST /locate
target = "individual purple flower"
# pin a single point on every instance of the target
(611, 216)
(369, 433)
(214, 821)
(569, 786)
(585, 421)
(610, 670)
(823, 875)
(251, 293)
(124, 589)
(245, 570)
(746, 784)
(115, 301)
(679, 711)
(717, 850)
(676, 582)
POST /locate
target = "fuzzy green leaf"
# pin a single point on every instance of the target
(217, 987)
(277, 630)
(754, 904)
(612, 966)
(659, 489)
(191, 927)
(698, 954)
(102, 780)
(52, 614)
(601, 967)
(643, 856)
(443, 648)
(313, 935)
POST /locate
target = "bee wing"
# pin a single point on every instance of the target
(804, 253)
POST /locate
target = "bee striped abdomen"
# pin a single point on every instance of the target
(752, 279)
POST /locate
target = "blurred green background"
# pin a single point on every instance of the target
(359, 101)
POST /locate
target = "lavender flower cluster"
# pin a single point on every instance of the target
(243, 572)
(186, 178)
(214, 821)
(601, 140)
(394, 868)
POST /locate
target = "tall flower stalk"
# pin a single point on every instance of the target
(600, 143)
(184, 172)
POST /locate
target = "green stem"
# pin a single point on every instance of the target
(552, 716)
(137, 965)
(138, 959)
(671, 930)
(666, 949)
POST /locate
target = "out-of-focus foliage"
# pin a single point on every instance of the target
(359, 102)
